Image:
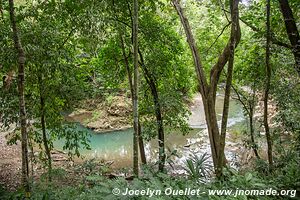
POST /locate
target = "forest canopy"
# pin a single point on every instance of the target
(101, 98)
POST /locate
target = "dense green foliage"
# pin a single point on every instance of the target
(82, 50)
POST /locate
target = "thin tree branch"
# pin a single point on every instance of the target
(255, 29)
(224, 28)
(223, 9)
(120, 21)
(223, 58)
(239, 98)
(273, 37)
(67, 38)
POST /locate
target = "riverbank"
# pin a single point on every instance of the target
(109, 115)
(114, 114)
(116, 145)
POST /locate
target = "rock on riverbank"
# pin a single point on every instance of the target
(112, 114)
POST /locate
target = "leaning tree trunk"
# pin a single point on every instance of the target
(1, 11)
(136, 91)
(21, 91)
(251, 122)
(234, 20)
(208, 101)
(127, 66)
(160, 127)
(43, 124)
(208, 91)
(292, 31)
(158, 114)
(267, 88)
(253, 143)
(248, 106)
(212, 126)
(45, 140)
(160, 130)
(142, 146)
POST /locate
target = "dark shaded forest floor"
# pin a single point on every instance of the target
(10, 163)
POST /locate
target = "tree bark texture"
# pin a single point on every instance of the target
(234, 20)
(21, 91)
(267, 88)
(127, 66)
(158, 114)
(43, 125)
(251, 124)
(291, 30)
(136, 91)
(208, 90)
(1, 10)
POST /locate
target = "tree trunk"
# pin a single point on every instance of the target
(21, 91)
(234, 19)
(45, 140)
(142, 146)
(208, 99)
(160, 130)
(267, 88)
(253, 144)
(208, 91)
(212, 126)
(31, 155)
(158, 114)
(192, 44)
(292, 31)
(1, 10)
(160, 127)
(136, 91)
(249, 109)
(127, 66)
(43, 124)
